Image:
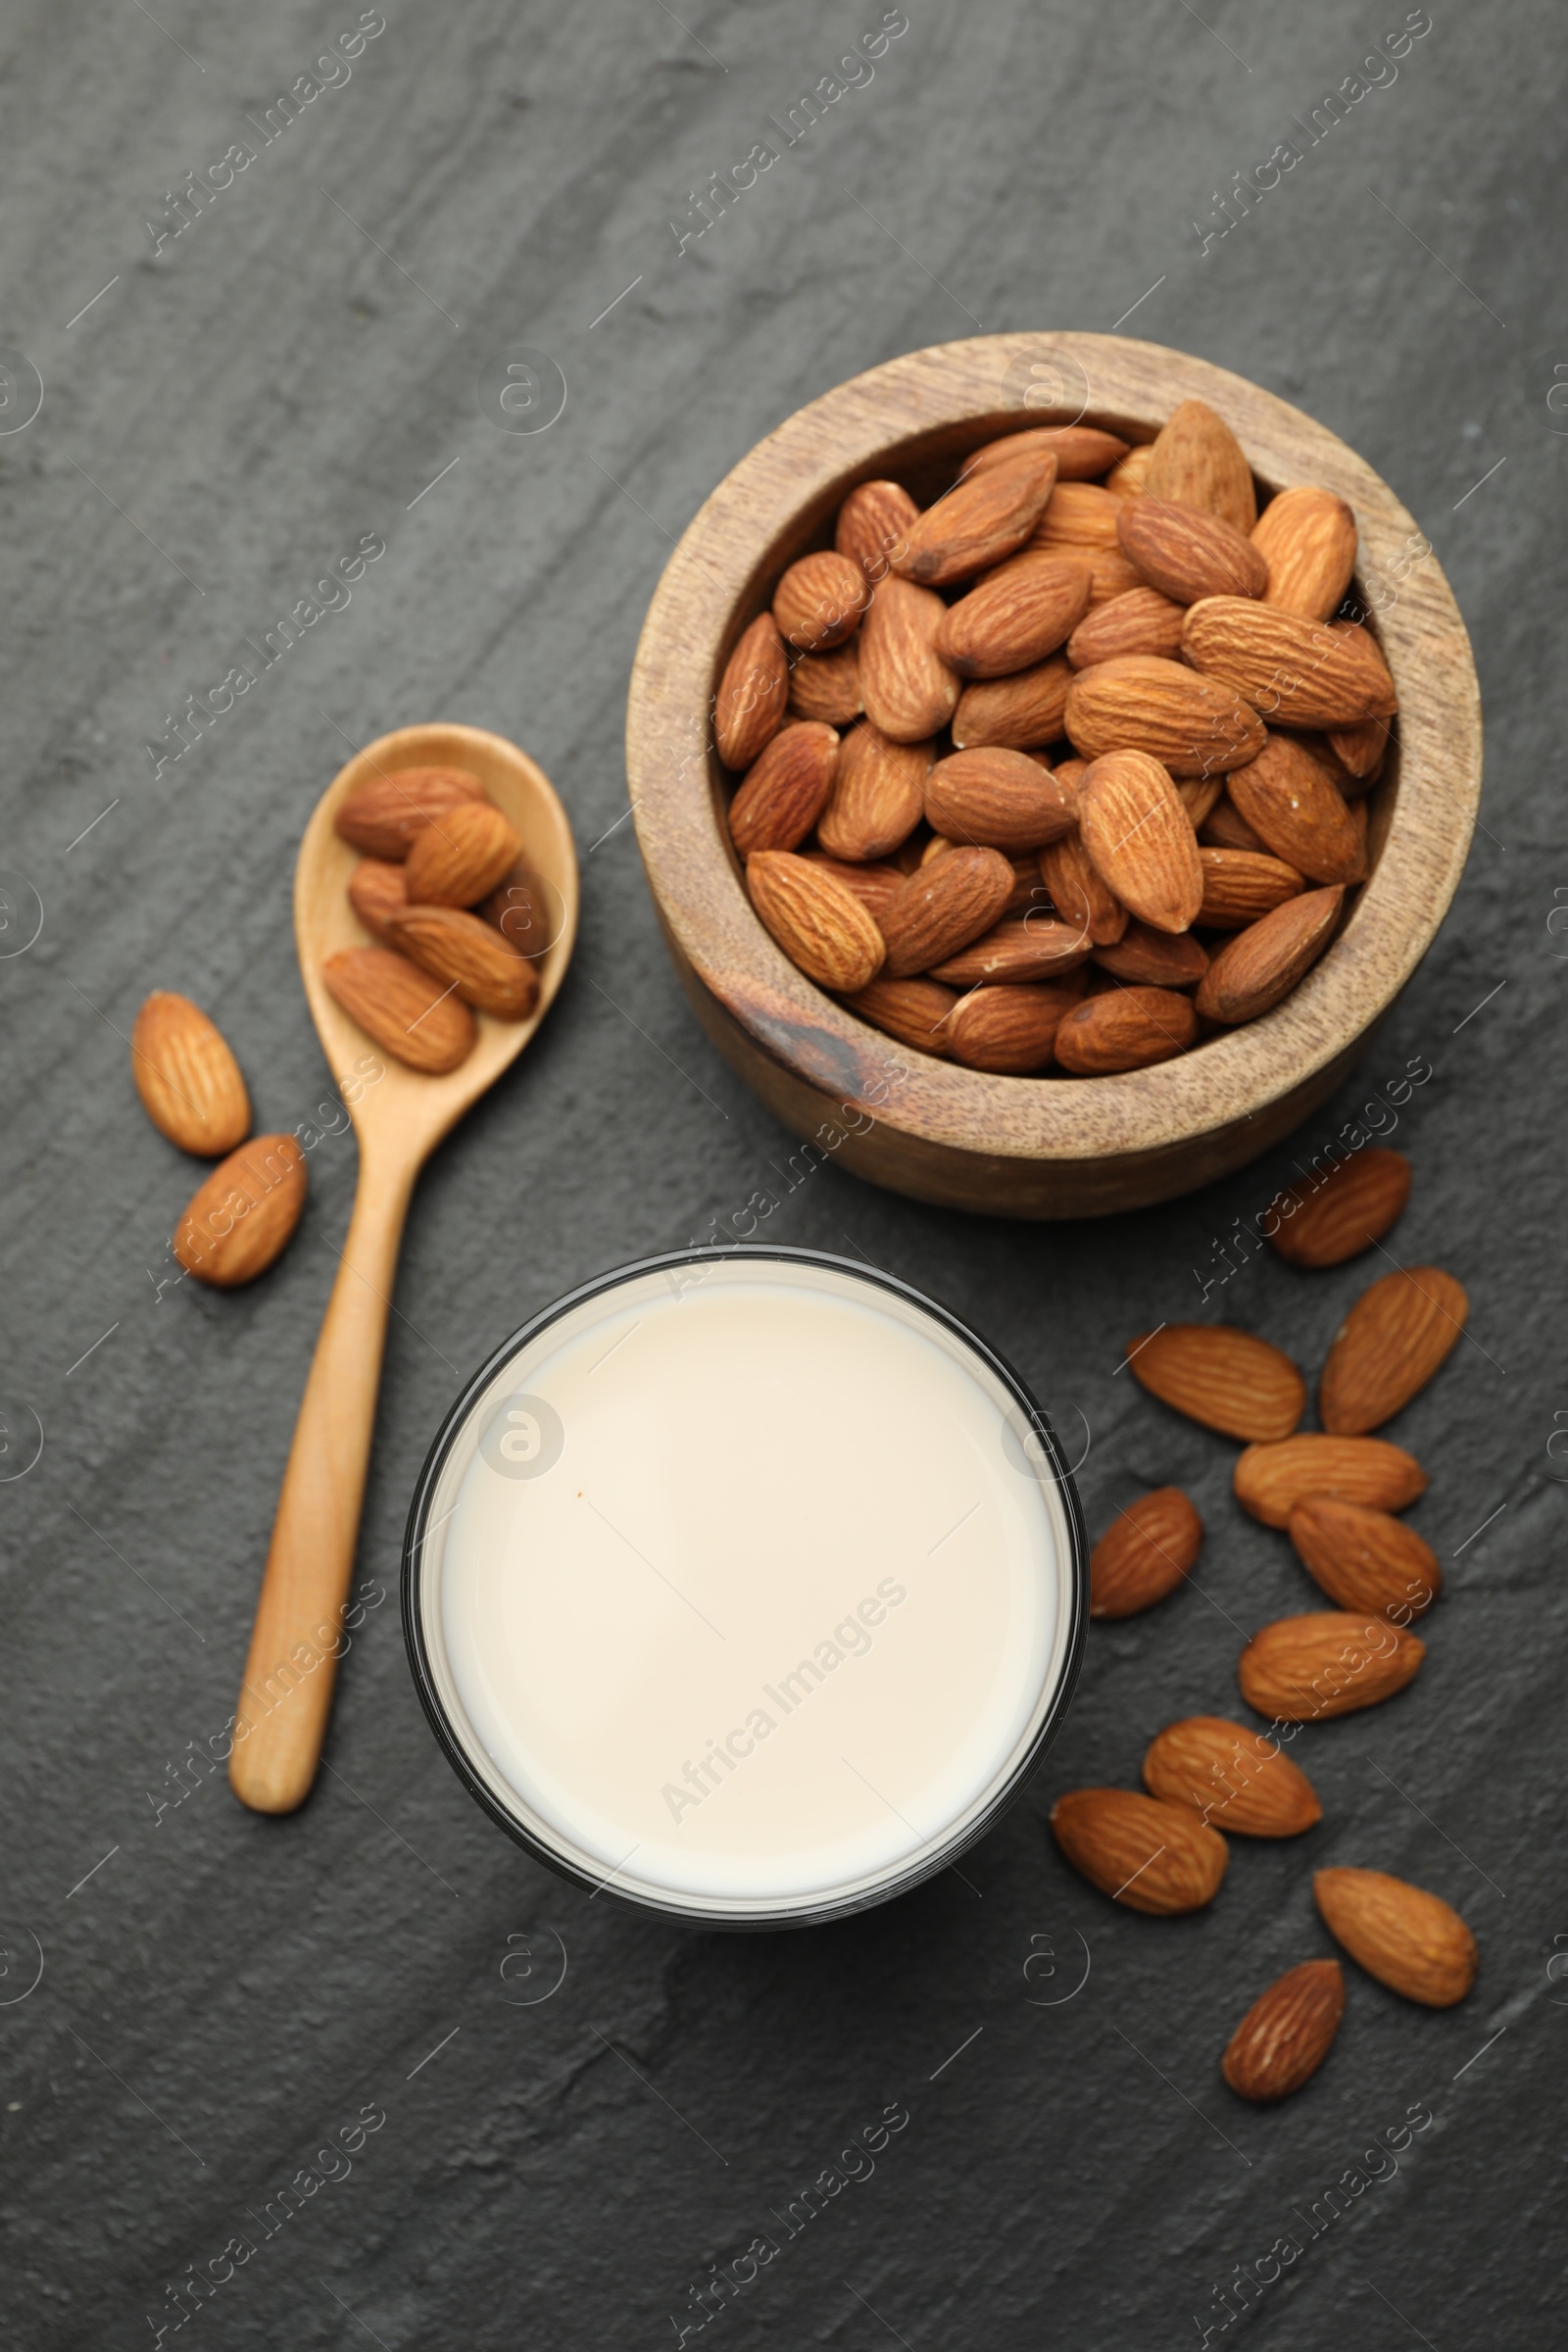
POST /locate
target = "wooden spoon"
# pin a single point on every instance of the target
(399, 1116)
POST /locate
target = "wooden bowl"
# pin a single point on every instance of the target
(1032, 1146)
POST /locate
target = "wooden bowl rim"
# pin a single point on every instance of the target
(715, 584)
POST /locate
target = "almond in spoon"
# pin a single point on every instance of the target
(461, 857)
(406, 1012)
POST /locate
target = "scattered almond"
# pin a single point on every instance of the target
(1287, 2033)
(1271, 1479)
(1365, 1558)
(401, 1007)
(187, 1077)
(1139, 1850)
(1359, 1201)
(749, 708)
(1262, 963)
(1409, 1940)
(819, 924)
(1389, 1345)
(1224, 1378)
(460, 855)
(1241, 1780)
(242, 1217)
(1305, 1669)
(786, 790)
(1306, 538)
(1145, 1553)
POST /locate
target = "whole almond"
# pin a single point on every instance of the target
(1148, 958)
(915, 1011)
(874, 522)
(1080, 892)
(1150, 1856)
(241, 1218)
(1291, 802)
(1307, 1669)
(1009, 1031)
(1079, 515)
(1196, 726)
(1141, 840)
(1364, 1559)
(1388, 1347)
(1325, 1221)
(998, 800)
(1225, 829)
(1240, 886)
(1296, 672)
(460, 855)
(1140, 622)
(878, 795)
(376, 896)
(819, 601)
(1410, 1940)
(1031, 947)
(1287, 2033)
(1272, 1480)
(1130, 477)
(875, 886)
(827, 686)
(1362, 749)
(382, 816)
(1306, 538)
(1261, 964)
(528, 912)
(1019, 712)
(1127, 1029)
(1198, 462)
(1109, 573)
(748, 707)
(909, 692)
(189, 1080)
(483, 967)
(1187, 554)
(987, 516)
(1224, 1378)
(942, 908)
(1145, 1553)
(820, 925)
(785, 790)
(1082, 451)
(1014, 617)
(1241, 1780)
(1198, 794)
(401, 1007)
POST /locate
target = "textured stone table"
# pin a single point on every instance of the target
(225, 412)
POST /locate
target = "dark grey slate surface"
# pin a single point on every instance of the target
(219, 1994)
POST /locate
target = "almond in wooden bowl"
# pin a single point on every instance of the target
(1233, 637)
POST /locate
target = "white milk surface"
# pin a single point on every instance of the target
(768, 1608)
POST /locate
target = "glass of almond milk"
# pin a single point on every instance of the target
(746, 1585)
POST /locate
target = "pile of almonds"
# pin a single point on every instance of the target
(459, 916)
(1336, 1492)
(1068, 770)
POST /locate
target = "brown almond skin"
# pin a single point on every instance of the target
(1014, 617)
(1147, 1551)
(243, 1216)
(1307, 538)
(1224, 1378)
(401, 1007)
(1185, 554)
(1294, 672)
(381, 817)
(1365, 1559)
(1410, 1940)
(1129, 479)
(998, 800)
(1020, 713)
(1307, 1669)
(820, 925)
(1271, 1479)
(1240, 1781)
(1127, 1029)
(1149, 1856)
(1198, 462)
(782, 796)
(944, 906)
(1082, 451)
(528, 912)
(186, 1075)
(1225, 829)
(1287, 2033)
(378, 897)
(875, 886)
(1079, 515)
(1109, 573)
(1242, 886)
(462, 949)
(1361, 750)
(915, 1011)
(1291, 803)
(459, 857)
(1033, 947)
(1006, 1030)
(909, 692)
(1198, 794)
(985, 518)
(1261, 964)
(752, 694)
(819, 601)
(1138, 621)
(878, 795)
(874, 522)
(827, 686)
(1148, 959)
(1139, 839)
(1393, 1339)
(1080, 894)
(1194, 726)
(1359, 1201)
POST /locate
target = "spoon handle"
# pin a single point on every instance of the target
(286, 1695)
